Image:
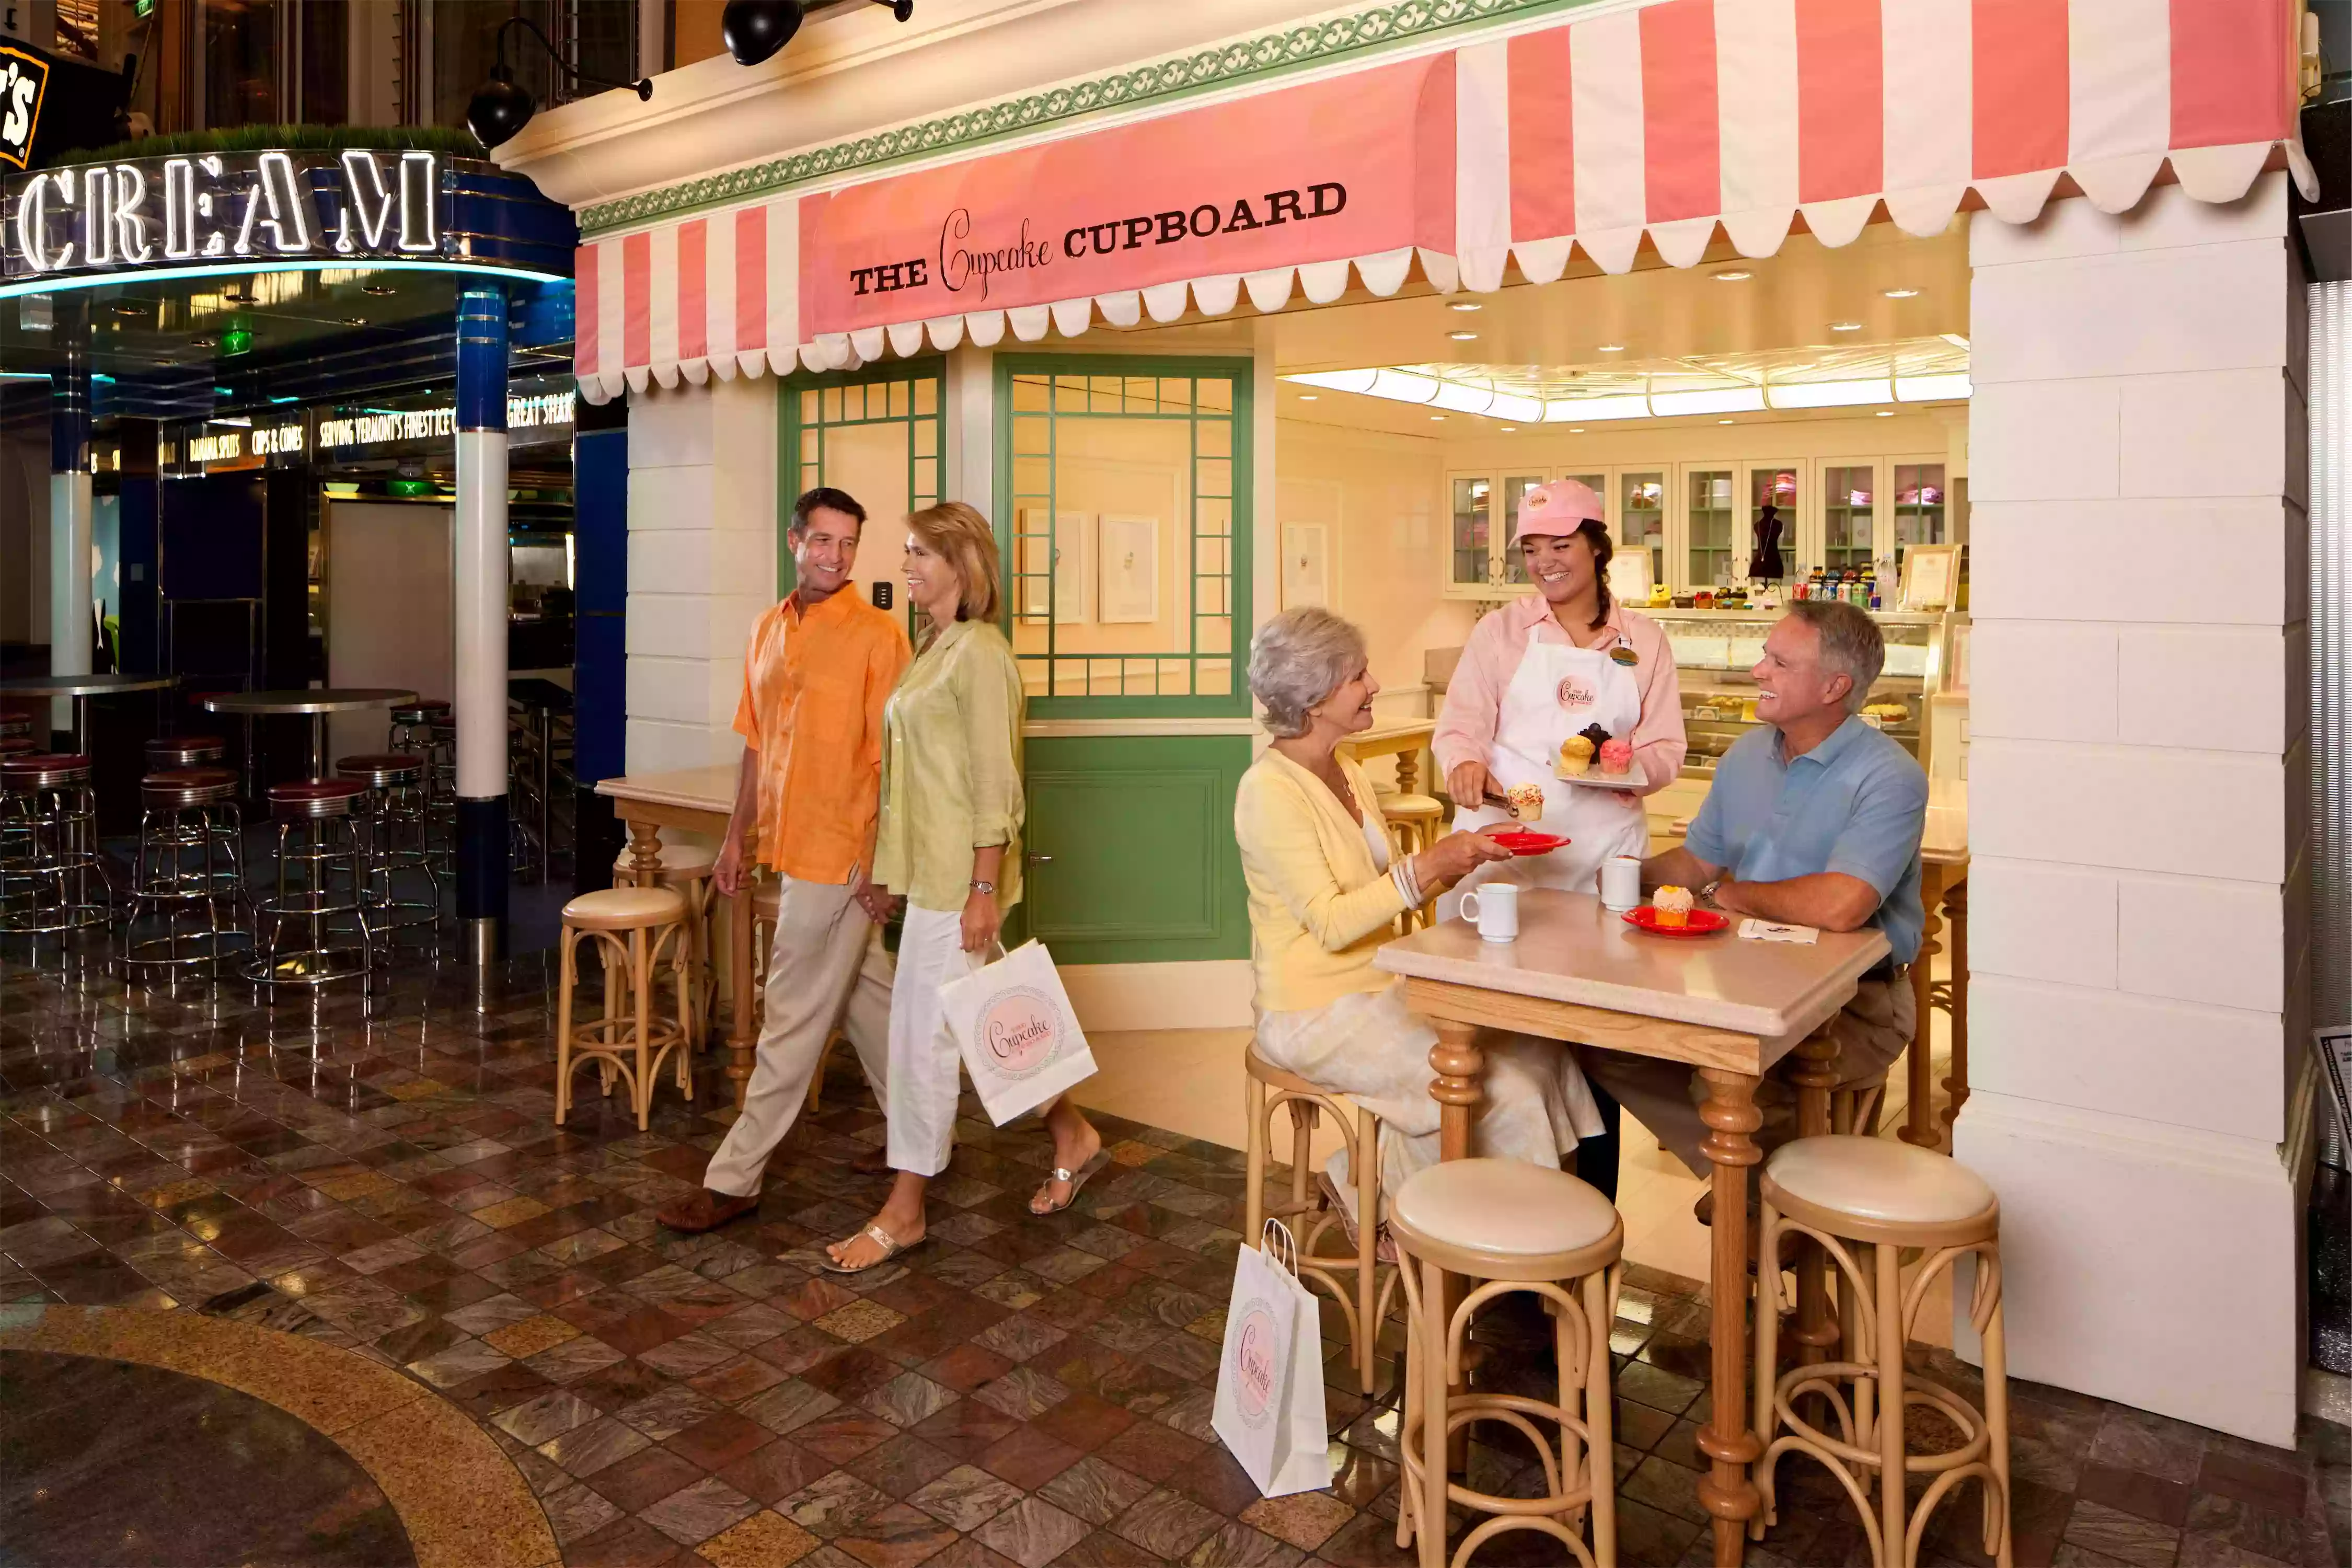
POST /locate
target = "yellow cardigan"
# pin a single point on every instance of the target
(1319, 907)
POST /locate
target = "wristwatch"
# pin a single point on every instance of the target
(981, 887)
(1707, 893)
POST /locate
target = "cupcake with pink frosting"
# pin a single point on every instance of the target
(1616, 757)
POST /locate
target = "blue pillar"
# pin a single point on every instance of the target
(70, 625)
(480, 698)
(600, 531)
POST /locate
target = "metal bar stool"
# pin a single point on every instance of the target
(394, 823)
(633, 929)
(189, 876)
(687, 868)
(50, 878)
(427, 728)
(1508, 1225)
(320, 845)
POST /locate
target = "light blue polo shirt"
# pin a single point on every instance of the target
(1856, 803)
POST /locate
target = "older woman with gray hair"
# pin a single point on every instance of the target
(1326, 887)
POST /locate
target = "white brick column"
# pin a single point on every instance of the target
(2138, 800)
(702, 563)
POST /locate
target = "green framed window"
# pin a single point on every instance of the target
(1849, 516)
(1123, 514)
(880, 433)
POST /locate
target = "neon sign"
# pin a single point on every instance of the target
(230, 207)
(23, 82)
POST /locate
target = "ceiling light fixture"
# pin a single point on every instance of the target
(1732, 275)
(1307, 398)
(753, 30)
(1416, 387)
(1845, 326)
(1887, 414)
(1509, 429)
(1576, 429)
(1463, 337)
(1466, 305)
(1437, 418)
(1727, 422)
(1900, 293)
(1610, 348)
(501, 107)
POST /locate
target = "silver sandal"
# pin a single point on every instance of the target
(891, 1247)
(1078, 1181)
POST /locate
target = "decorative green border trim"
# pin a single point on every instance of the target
(1267, 55)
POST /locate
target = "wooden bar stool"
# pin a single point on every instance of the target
(1414, 823)
(632, 928)
(1352, 1277)
(1508, 1225)
(1866, 1201)
(688, 869)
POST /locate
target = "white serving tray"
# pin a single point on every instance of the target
(1634, 777)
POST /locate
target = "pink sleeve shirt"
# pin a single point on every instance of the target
(1474, 700)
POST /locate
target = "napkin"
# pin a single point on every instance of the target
(1772, 930)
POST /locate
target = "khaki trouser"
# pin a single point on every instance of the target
(828, 968)
(1664, 1097)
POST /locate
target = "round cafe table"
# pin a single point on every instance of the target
(81, 689)
(317, 704)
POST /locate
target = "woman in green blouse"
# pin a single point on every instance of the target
(949, 841)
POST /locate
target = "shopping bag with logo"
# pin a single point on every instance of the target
(1019, 1040)
(1269, 1408)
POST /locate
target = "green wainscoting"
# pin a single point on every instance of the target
(1140, 830)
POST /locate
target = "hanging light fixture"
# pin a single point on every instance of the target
(501, 107)
(753, 30)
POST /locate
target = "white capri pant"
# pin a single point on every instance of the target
(925, 1069)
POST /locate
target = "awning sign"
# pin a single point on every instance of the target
(23, 82)
(1326, 170)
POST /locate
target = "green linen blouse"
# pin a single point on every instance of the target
(951, 770)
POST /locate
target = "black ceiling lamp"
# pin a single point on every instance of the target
(499, 107)
(754, 30)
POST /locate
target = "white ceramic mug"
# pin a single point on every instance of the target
(1494, 908)
(1621, 883)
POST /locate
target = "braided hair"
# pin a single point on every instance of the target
(1595, 533)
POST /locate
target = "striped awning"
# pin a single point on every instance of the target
(1659, 120)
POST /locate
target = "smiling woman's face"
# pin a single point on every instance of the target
(1560, 565)
(931, 583)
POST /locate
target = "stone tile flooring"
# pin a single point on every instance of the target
(381, 1174)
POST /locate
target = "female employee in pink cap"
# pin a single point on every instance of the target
(1547, 666)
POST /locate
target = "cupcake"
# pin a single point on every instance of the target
(1616, 757)
(1526, 800)
(1672, 906)
(1596, 734)
(1575, 756)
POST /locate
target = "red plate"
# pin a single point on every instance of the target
(1702, 922)
(1528, 841)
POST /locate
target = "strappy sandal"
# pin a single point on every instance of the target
(1385, 1246)
(891, 1247)
(1078, 1183)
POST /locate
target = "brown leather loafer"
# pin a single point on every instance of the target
(707, 1210)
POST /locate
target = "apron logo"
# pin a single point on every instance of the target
(1575, 694)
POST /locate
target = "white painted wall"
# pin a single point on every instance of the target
(390, 603)
(2140, 906)
(702, 563)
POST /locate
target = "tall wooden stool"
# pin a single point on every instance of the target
(1351, 1277)
(1414, 823)
(635, 928)
(1508, 1225)
(1866, 1201)
(688, 869)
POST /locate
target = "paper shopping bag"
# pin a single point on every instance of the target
(1019, 1040)
(1269, 1408)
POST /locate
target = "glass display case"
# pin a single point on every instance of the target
(1714, 649)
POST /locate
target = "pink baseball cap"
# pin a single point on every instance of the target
(1557, 508)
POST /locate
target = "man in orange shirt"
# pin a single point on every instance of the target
(821, 665)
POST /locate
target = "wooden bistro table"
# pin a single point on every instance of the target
(1729, 1008)
(696, 800)
(1944, 899)
(1402, 738)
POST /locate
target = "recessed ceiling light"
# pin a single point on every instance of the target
(1466, 305)
(1901, 293)
(1732, 275)
(1463, 337)
(1845, 326)
(1509, 429)
(1576, 429)
(1887, 414)
(1724, 422)
(1610, 348)
(1438, 418)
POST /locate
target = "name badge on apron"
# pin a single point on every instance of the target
(1624, 655)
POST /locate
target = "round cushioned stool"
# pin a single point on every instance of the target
(687, 868)
(320, 885)
(634, 930)
(188, 879)
(427, 728)
(1866, 1201)
(51, 879)
(167, 753)
(1351, 1277)
(1508, 1225)
(394, 820)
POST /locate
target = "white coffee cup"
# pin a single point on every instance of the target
(1621, 883)
(1494, 908)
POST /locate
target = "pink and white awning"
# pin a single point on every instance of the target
(1660, 121)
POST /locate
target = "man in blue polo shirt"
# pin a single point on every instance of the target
(1814, 820)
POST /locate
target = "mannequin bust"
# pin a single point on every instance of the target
(1766, 565)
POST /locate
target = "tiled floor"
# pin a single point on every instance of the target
(383, 1177)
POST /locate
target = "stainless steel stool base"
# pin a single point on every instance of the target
(320, 843)
(52, 882)
(188, 883)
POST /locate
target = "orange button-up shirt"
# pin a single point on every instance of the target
(813, 686)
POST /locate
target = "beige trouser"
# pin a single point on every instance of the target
(828, 967)
(1664, 1097)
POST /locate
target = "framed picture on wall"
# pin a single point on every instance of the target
(1628, 576)
(1072, 566)
(1931, 576)
(1127, 577)
(1306, 564)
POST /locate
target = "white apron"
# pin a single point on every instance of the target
(1559, 689)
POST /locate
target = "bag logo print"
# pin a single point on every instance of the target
(1022, 1028)
(1254, 1363)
